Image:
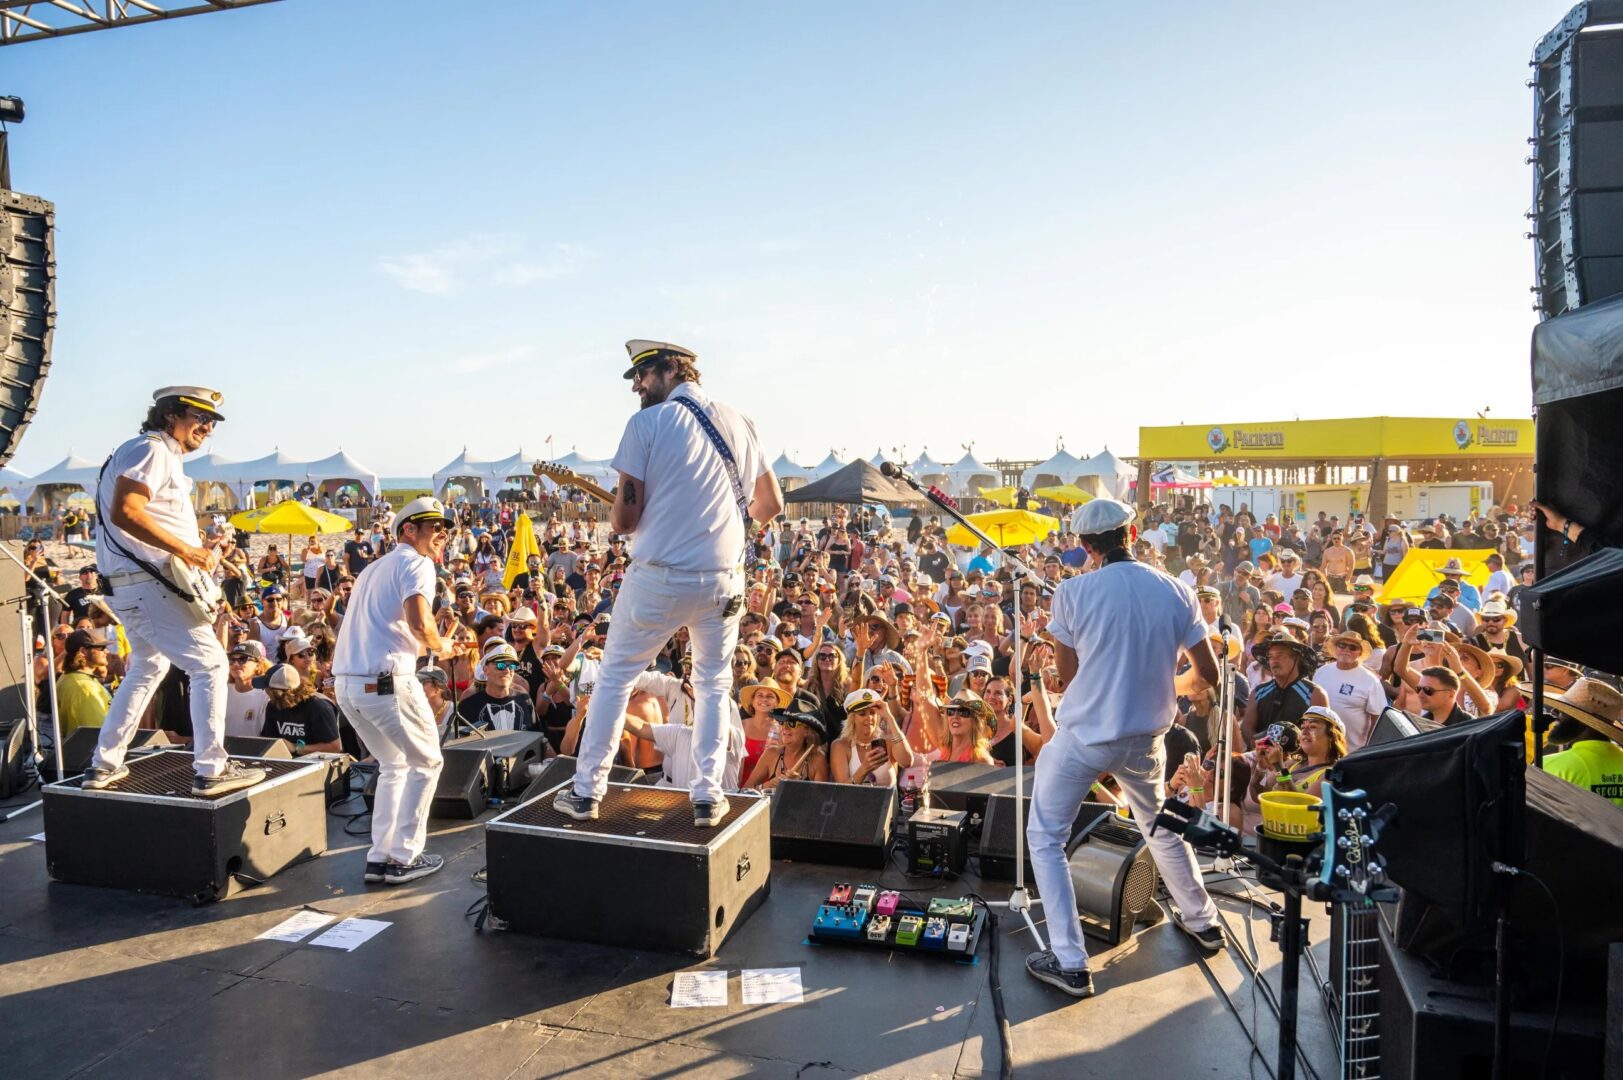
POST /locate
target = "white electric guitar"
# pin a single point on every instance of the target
(204, 590)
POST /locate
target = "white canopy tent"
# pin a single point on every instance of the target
(461, 471)
(210, 471)
(878, 459)
(927, 470)
(1062, 468)
(827, 467)
(790, 475)
(340, 468)
(72, 472)
(1114, 475)
(272, 468)
(20, 487)
(968, 476)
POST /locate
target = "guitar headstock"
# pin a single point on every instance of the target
(1351, 868)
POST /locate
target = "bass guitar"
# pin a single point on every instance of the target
(1352, 875)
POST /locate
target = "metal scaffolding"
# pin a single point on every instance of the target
(33, 20)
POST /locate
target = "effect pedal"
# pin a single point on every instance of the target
(879, 928)
(908, 929)
(838, 921)
(961, 910)
(865, 896)
(935, 934)
(840, 894)
(886, 904)
(958, 937)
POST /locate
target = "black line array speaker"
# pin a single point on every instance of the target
(27, 310)
(561, 769)
(1577, 159)
(839, 824)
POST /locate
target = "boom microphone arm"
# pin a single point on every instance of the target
(943, 502)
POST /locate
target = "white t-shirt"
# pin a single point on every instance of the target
(152, 460)
(244, 712)
(1285, 583)
(690, 519)
(1128, 623)
(313, 564)
(1356, 696)
(675, 741)
(374, 636)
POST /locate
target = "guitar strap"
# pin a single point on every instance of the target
(107, 535)
(724, 451)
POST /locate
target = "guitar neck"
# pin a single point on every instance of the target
(1360, 1002)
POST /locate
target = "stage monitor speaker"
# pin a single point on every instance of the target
(561, 769)
(464, 788)
(996, 852)
(511, 755)
(27, 310)
(1572, 613)
(1114, 876)
(836, 824)
(257, 747)
(966, 785)
(14, 751)
(1577, 160)
(77, 747)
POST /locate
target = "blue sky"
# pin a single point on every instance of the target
(892, 225)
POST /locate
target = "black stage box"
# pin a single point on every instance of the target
(642, 876)
(561, 770)
(838, 824)
(511, 754)
(150, 833)
(966, 785)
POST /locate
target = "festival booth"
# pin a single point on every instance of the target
(1063, 468)
(968, 476)
(827, 467)
(72, 473)
(340, 470)
(211, 476)
(790, 475)
(1375, 451)
(855, 484)
(928, 471)
(16, 485)
(462, 471)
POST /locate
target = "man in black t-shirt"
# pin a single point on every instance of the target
(933, 561)
(330, 573)
(498, 707)
(78, 598)
(358, 553)
(295, 713)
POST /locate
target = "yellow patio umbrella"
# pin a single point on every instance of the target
(292, 518)
(1007, 528)
(1069, 494)
(1003, 496)
(1226, 481)
(519, 553)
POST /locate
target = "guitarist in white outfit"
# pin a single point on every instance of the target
(144, 500)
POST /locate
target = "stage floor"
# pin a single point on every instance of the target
(103, 983)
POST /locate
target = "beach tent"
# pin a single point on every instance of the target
(1113, 475)
(827, 467)
(211, 475)
(1421, 570)
(928, 471)
(275, 467)
(19, 486)
(790, 475)
(331, 472)
(71, 473)
(464, 471)
(968, 476)
(1062, 468)
(857, 482)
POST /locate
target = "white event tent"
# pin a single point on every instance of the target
(788, 473)
(1107, 473)
(827, 467)
(1062, 468)
(968, 476)
(928, 471)
(72, 472)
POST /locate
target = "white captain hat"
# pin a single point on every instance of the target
(647, 352)
(200, 397)
(426, 508)
(1101, 516)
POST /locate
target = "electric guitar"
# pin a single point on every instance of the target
(205, 593)
(1353, 875)
(560, 475)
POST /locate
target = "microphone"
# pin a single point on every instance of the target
(892, 470)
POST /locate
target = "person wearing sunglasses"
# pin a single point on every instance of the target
(498, 705)
(387, 624)
(143, 499)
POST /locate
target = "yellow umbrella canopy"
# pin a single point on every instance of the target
(1007, 528)
(1003, 496)
(1069, 494)
(292, 519)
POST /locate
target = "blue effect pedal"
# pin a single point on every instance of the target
(839, 921)
(935, 934)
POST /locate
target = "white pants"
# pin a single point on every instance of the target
(399, 730)
(163, 633)
(1066, 770)
(654, 602)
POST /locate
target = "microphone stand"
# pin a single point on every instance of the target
(1020, 899)
(1222, 740)
(34, 593)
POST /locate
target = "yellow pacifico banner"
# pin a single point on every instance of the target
(1358, 439)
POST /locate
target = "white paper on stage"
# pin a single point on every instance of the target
(297, 927)
(351, 933)
(699, 989)
(772, 986)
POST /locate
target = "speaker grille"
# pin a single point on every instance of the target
(1138, 892)
(27, 310)
(171, 773)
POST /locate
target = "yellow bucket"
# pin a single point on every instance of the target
(1292, 816)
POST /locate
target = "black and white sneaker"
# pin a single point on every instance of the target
(96, 779)
(420, 867)
(707, 815)
(1044, 967)
(375, 873)
(1211, 939)
(235, 778)
(578, 807)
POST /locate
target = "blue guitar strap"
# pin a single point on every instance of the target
(724, 450)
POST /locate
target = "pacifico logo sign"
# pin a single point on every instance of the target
(1485, 435)
(1241, 439)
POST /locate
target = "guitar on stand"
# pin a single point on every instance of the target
(1352, 875)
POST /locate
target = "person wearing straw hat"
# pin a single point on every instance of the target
(1496, 629)
(692, 476)
(1355, 693)
(1454, 570)
(1287, 694)
(1119, 634)
(797, 755)
(1591, 727)
(143, 500)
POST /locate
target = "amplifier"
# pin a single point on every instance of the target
(511, 754)
(839, 824)
(149, 833)
(937, 841)
(966, 785)
(549, 874)
(1114, 876)
(561, 770)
